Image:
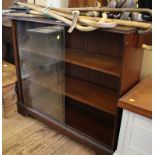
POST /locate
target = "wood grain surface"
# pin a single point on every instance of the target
(27, 136)
(6, 21)
(121, 57)
(93, 61)
(139, 99)
(92, 95)
(8, 74)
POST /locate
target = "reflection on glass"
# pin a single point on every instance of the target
(41, 51)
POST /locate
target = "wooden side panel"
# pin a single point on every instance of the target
(145, 39)
(17, 64)
(131, 68)
(132, 62)
(6, 4)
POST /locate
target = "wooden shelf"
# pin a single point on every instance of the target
(105, 64)
(26, 49)
(43, 100)
(97, 62)
(49, 81)
(87, 120)
(92, 95)
(84, 92)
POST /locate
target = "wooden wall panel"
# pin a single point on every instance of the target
(7, 3)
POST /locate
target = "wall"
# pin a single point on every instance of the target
(147, 64)
(30, 1)
(55, 3)
(41, 2)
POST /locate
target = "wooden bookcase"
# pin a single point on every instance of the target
(100, 66)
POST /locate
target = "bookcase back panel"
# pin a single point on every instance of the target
(76, 39)
(101, 79)
(88, 121)
(110, 44)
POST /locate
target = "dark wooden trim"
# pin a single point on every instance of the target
(99, 149)
(116, 129)
(17, 60)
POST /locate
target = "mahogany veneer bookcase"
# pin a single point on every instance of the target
(100, 66)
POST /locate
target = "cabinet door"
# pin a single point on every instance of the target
(41, 51)
(135, 135)
(140, 142)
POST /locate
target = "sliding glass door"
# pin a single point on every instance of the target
(41, 51)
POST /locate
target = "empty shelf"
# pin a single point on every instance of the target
(92, 95)
(98, 62)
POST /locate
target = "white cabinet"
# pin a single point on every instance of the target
(135, 135)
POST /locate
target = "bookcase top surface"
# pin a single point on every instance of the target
(118, 29)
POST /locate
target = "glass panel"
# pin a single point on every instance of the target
(41, 50)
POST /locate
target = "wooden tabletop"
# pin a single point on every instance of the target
(139, 99)
(6, 21)
(8, 74)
